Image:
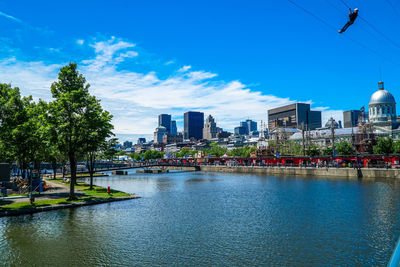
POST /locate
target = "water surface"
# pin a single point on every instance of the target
(199, 218)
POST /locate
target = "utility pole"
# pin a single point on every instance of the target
(333, 135)
(302, 134)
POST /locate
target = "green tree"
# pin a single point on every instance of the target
(313, 150)
(243, 152)
(97, 128)
(384, 146)
(327, 151)
(69, 116)
(396, 147)
(109, 151)
(152, 154)
(215, 150)
(295, 148)
(185, 152)
(12, 114)
(344, 148)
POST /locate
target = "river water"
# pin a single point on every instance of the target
(199, 218)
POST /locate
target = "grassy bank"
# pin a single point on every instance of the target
(40, 203)
(85, 194)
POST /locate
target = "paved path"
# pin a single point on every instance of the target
(56, 191)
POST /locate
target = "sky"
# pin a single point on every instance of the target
(231, 59)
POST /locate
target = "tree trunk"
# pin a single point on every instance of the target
(72, 162)
(91, 168)
(54, 165)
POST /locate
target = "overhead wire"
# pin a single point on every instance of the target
(374, 28)
(346, 36)
(341, 12)
(393, 7)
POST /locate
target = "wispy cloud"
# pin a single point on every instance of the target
(10, 17)
(135, 98)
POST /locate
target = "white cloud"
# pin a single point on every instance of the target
(80, 41)
(185, 68)
(10, 17)
(169, 62)
(136, 98)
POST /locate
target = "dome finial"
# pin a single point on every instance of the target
(380, 85)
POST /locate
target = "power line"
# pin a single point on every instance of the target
(393, 7)
(381, 33)
(311, 14)
(346, 36)
(344, 3)
(373, 27)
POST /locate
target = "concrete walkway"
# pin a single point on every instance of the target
(56, 191)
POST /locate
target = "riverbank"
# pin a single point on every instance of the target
(309, 171)
(57, 198)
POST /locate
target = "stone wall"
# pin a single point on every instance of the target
(316, 172)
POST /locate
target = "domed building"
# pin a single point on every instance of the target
(382, 106)
(382, 113)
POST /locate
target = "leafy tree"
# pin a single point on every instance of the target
(185, 152)
(12, 114)
(384, 146)
(313, 150)
(152, 154)
(97, 128)
(294, 148)
(327, 151)
(109, 150)
(396, 147)
(215, 150)
(243, 152)
(135, 156)
(344, 148)
(70, 115)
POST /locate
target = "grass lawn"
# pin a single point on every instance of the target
(40, 203)
(98, 191)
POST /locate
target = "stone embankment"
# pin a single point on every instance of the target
(366, 173)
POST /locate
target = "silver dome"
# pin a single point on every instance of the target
(382, 97)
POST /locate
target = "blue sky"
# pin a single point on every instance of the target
(231, 59)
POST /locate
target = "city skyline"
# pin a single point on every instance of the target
(232, 78)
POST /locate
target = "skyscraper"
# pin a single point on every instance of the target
(174, 130)
(350, 118)
(165, 121)
(193, 125)
(210, 128)
(295, 116)
(251, 126)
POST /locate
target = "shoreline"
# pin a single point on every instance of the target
(56, 198)
(25, 211)
(365, 173)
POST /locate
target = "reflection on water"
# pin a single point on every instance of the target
(201, 218)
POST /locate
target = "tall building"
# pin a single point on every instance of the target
(210, 128)
(174, 130)
(127, 144)
(141, 140)
(193, 125)
(251, 126)
(350, 118)
(294, 116)
(240, 130)
(165, 121)
(159, 133)
(246, 127)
